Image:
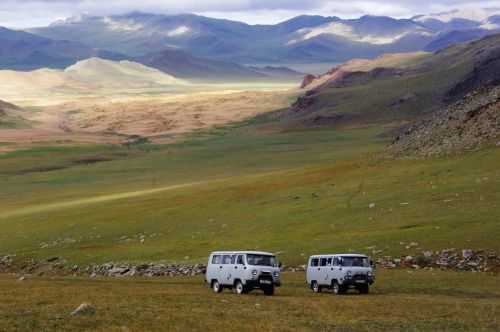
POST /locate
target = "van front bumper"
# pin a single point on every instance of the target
(259, 283)
(352, 282)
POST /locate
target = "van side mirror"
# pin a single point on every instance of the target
(280, 265)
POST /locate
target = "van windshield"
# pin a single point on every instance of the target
(355, 261)
(261, 260)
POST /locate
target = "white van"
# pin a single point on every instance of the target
(340, 272)
(243, 271)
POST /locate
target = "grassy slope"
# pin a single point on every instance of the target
(400, 301)
(296, 193)
(377, 101)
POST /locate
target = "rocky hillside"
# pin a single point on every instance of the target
(397, 89)
(466, 125)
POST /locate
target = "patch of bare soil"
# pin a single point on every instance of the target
(109, 120)
(170, 116)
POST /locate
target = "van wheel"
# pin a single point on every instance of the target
(269, 291)
(239, 288)
(364, 289)
(216, 286)
(336, 288)
(316, 288)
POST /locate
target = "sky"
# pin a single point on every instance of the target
(33, 13)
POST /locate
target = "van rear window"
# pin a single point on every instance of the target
(315, 262)
(216, 259)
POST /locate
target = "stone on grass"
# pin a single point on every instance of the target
(84, 309)
(467, 253)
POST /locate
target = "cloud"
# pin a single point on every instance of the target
(26, 13)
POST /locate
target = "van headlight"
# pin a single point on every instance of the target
(348, 275)
(254, 273)
(276, 274)
(370, 274)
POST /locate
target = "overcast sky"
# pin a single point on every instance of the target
(30, 13)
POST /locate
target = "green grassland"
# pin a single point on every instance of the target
(400, 301)
(295, 192)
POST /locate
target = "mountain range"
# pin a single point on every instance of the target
(196, 47)
(303, 39)
(25, 51)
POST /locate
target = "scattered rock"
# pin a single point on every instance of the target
(372, 205)
(467, 253)
(84, 309)
(465, 125)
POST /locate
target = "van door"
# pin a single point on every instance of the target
(336, 269)
(313, 270)
(226, 271)
(239, 268)
(323, 272)
(215, 268)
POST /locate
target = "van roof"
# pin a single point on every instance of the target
(343, 255)
(242, 252)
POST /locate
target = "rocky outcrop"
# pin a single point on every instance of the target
(447, 259)
(59, 266)
(308, 79)
(466, 125)
(144, 270)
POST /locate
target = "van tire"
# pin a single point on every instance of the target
(336, 288)
(239, 288)
(364, 289)
(216, 286)
(268, 291)
(316, 288)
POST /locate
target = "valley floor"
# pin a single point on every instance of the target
(295, 193)
(403, 301)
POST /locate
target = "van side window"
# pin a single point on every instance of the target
(329, 261)
(322, 262)
(216, 259)
(226, 259)
(315, 262)
(239, 261)
(233, 259)
(336, 261)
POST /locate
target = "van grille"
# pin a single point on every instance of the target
(360, 277)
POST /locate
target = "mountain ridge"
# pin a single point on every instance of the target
(303, 39)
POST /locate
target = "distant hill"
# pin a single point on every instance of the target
(399, 88)
(11, 116)
(106, 73)
(91, 76)
(304, 39)
(181, 64)
(6, 107)
(24, 51)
